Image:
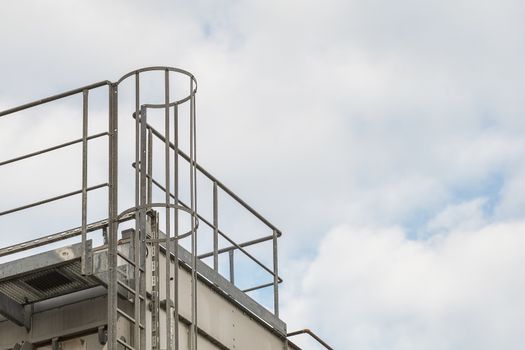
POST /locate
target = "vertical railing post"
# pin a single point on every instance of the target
(149, 173)
(176, 228)
(193, 207)
(155, 285)
(169, 333)
(232, 266)
(86, 261)
(112, 218)
(275, 275)
(138, 245)
(145, 198)
(215, 228)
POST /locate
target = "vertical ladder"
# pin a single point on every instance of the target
(148, 232)
(136, 259)
(137, 293)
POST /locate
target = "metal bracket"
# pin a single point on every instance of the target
(105, 235)
(163, 303)
(24, 346)
(102, 335)
(55, 345)
(28, 316)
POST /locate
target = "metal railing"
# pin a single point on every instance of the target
(214, 225)
(83, 229)
(311, 334)
(143, 187)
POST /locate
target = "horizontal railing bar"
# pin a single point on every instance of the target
(156, 183)
(245, 244)
(237, 246)
(219, 183)
(54, 98)
(219, 231)
(258, 287)
(45, 201)
(249, 255)
(55, 237)
(29, 155)
(313, 335)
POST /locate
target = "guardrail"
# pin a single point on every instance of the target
(218, 185)
(143, 184)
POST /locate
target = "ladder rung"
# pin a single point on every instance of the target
(131, 319)
(128, 260)
(126, 345)
(128, 288)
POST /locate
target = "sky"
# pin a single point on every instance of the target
(385, 139)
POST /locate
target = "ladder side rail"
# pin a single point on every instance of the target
(167, 177)
(112, 218)
(176, 228)
(146, 156)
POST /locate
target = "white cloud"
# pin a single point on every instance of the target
(371, 113)
(376, 289)
(463, 216)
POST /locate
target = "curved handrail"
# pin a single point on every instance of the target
(313, 335)
(164, 205)
(108, 83)
(163, 68)
(155, 68)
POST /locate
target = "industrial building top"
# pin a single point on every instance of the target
(148, 232)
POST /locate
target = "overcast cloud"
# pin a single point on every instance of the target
(384, 138)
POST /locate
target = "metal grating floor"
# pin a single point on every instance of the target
(47, 283)
(45, 276)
